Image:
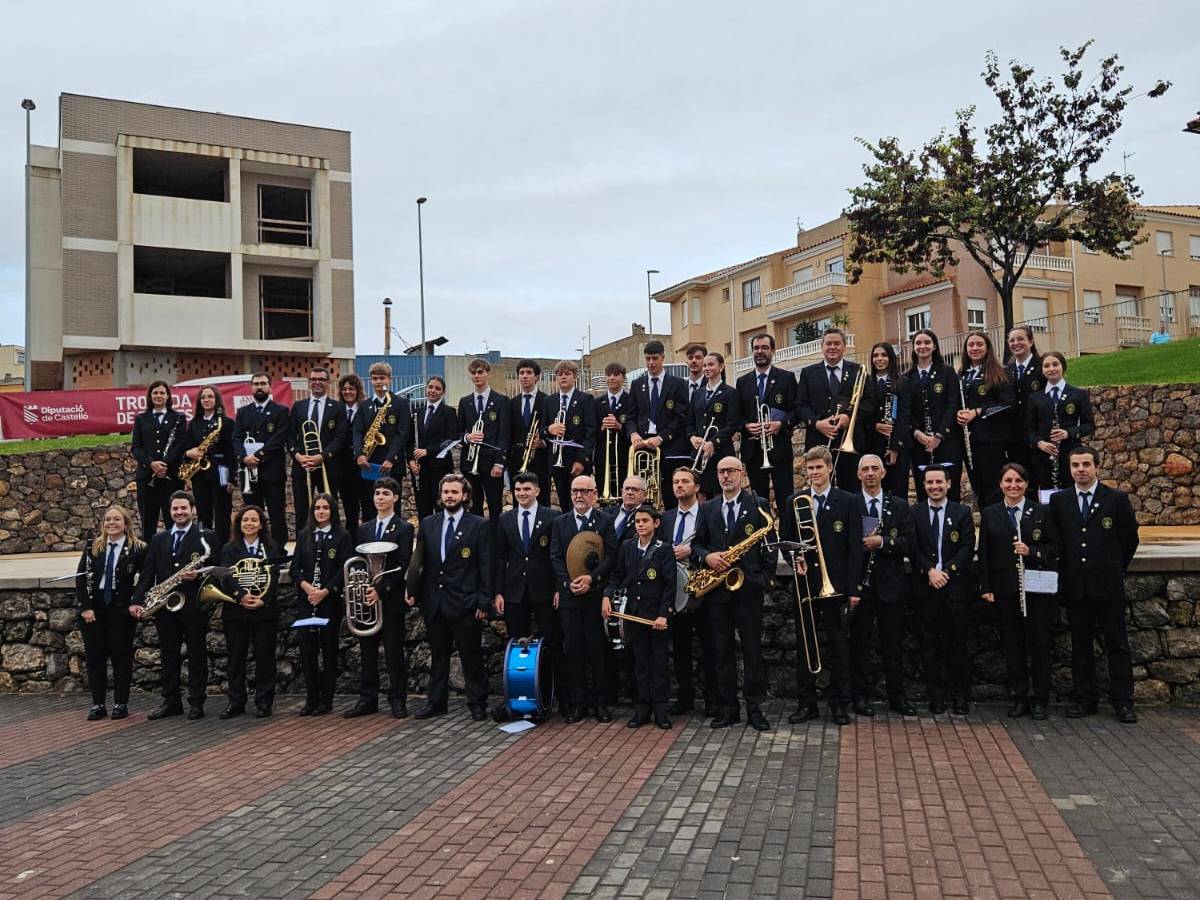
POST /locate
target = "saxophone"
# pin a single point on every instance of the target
(165, 594)
(188, 470)
(703, 581)
(373, 439)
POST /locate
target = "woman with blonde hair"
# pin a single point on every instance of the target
(108, 570)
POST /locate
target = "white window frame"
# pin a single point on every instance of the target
(1166, 309)
(683, 313)
(1164, 243)
(1037, 323)
(752, 293)
(836, 264)
(923, 310)
(1092, 301)
(1129, 305)
(695, 301)
(802, 275)
(976, 305)
(1194, 246)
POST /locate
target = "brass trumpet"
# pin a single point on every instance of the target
(560, 419)
(310, 438)
(767, 440)
(473, 450)
(700, 463)
(530, 442)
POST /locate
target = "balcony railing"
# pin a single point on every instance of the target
(821, 282)
(1045, 262)
(793, 357)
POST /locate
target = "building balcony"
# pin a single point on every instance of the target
(201, 323)
(182, 223)
(794, 357)
(1045, 263)
(806, 296)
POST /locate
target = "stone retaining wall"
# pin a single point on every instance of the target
(43, 649)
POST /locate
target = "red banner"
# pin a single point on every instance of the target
(44, 414)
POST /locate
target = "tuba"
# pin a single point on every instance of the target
(704, 581)
(310, 437)
(360, 574)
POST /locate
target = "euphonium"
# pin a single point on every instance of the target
(703, 581)
(189, 468)
(310, 437)
(360, 574)
(647, 465)
(166, 594)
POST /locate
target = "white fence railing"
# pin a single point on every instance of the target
(821, 282)
(795, 356)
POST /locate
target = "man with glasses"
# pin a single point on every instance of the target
(774, 388)
(724, 521)
(579, 601)
(328, 416)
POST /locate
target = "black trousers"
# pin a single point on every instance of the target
(214, 504)
(485, 488)
(393, 634)
(349, 486)
(895, 478)
(684, 628)
(946, 634)
(583, 644)
(845, 469)
(835, 656)
(778, 476)
(741, 611)
(174, 630)
(890, 617)
(518, 620)
(985, 476)
(464, 632)
(428, 489)
(154, 503)
(319, 659)
(239, 635)
(109, 637)
(954, 470)
(649, 649)
(272, 496)
(1027, 644)
(1107, 614)
(301, 496)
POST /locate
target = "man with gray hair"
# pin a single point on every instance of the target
(633, 495)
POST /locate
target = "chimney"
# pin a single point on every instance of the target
(638, 329)
(799, 230)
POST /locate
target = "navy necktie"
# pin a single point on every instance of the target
(820, 504)
(654, 398)
(479, 403)
(834, 384)
(177, 541)
(679, 528)
(1085, 504)
(762, 387)
(729, 520)
(1054, 395)
(708, 394)
(874, 513)
(1020, 371)
(937, 532)
(527, 413)
(110, 568)
(379, 530)
(1012, 517)
(925, 376)
(447, 537)
(525, 530)
(428, 416)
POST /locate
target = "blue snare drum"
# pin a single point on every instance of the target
(528, 679)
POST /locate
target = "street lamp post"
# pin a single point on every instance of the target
(387, 326)
(29, 106)
(421, 277)
(649, 302)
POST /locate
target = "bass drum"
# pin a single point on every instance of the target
(614, 628)
(684, 602)
(528, 679)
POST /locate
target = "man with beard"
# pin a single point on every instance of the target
(775, 389)
(260, 437)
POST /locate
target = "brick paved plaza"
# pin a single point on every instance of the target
(292, 807)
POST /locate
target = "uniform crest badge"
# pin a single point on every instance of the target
(465, 552)
(982, 390)
(717, 407)
(651, 574)
(331, 553)
(545, 541)
(270, 426)
(391, 420)
(938, 388)
(575, 420)
(839, 527)
(749, 528)
(492, 416)
(1106, 522)
(670, 404)
(1037, 534)
(954, 536)
(1069, 409)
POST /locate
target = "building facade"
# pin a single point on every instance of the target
(175, 244)
(1079, 301)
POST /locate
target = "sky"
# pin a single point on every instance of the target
(567, 147)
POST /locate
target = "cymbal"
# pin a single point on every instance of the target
(584, 553)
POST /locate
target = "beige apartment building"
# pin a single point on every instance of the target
(175, 244)
(1078, 300)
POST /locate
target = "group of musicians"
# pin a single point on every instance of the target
(674, 476)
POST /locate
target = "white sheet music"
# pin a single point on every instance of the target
(1038, 581)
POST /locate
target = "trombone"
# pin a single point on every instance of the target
(473, 450)
(310, 438)
(612, 463)
(809, 539)
(560, 419)
(530, 442)
(700, 463)
(847, 444)
(767, 440)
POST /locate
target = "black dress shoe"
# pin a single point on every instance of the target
(603, 714)
(1038, 711)
(863, 708)
(399, 709)
(661, 720)
(165, 710)
(262, 712)
(678, 708)
(904, 707)
(195, 712)
(120, 711)
(841, 717)
(1018, 709)
(636, 722)
(361, 708)
(478, 713)
(97, 712)
(756, 720)
(573, 716)
(1126, 715)
(323, 709)
(1079, 710)
(308, 709)
(428, 711)
(228, 712)
(937, 707)
(804, 714)
(960, 707)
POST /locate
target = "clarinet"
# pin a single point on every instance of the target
(966, 429)
(1054, 455)
(88, 537)
(1021, 576)
(928, 420)
(883, 511)
(166, 453)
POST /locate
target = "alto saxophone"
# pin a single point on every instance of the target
(188, 470)
(166, 594)
(374, 438)
(704, 581)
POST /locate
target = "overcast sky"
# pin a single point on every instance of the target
(567, 147)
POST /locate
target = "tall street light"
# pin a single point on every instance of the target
(29, 106)
(421, 276)
(650, 302)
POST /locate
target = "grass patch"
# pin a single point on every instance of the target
(1173, 363)
(74, 442)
